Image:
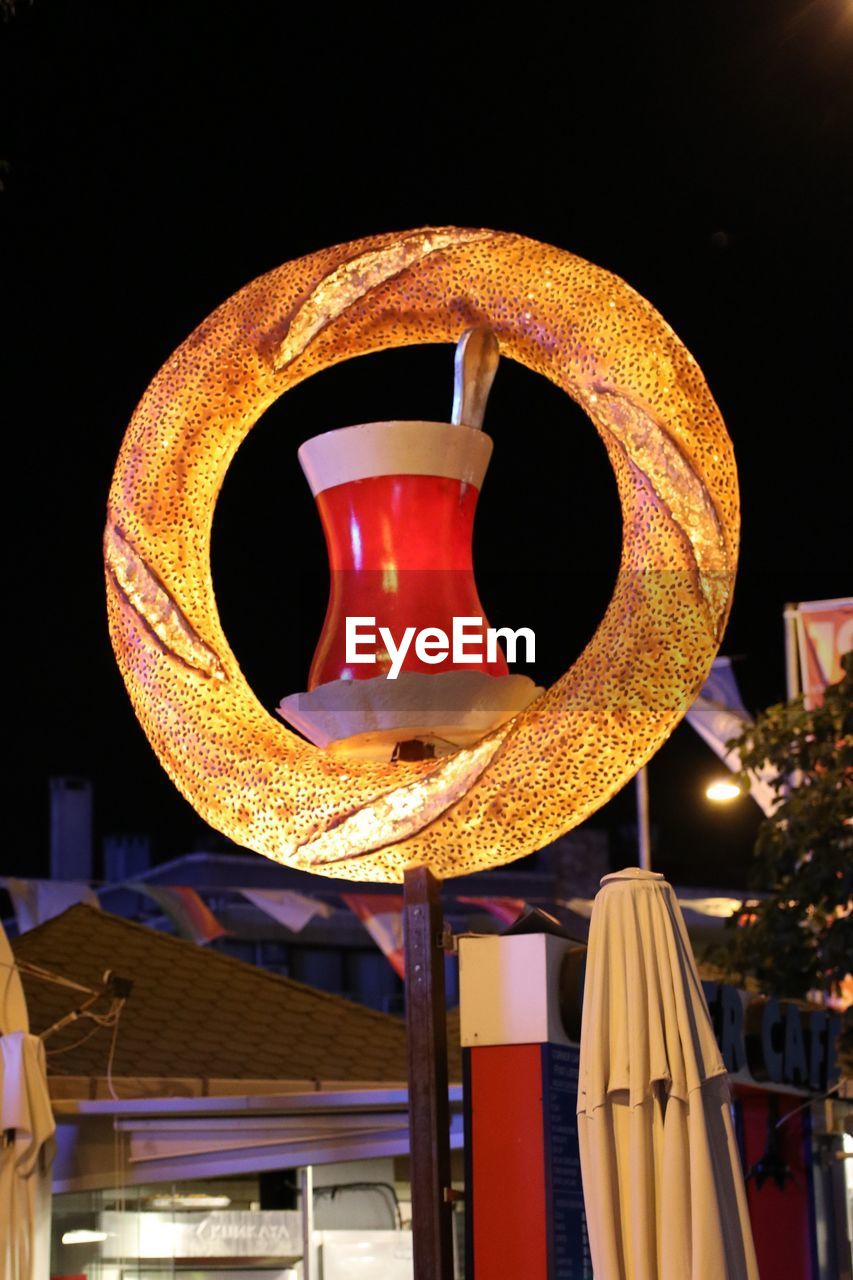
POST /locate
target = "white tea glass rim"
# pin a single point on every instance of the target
(416, 448)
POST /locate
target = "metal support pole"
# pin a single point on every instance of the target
(429, 1112)
(792, 668)
(306, 1201)
(644, 838)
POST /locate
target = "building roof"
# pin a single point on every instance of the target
(196, 1013)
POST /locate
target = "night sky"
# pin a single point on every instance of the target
(158, 157)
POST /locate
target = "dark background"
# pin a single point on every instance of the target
(157, 157)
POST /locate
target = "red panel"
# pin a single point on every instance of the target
(781, 1218)
(508, 1163)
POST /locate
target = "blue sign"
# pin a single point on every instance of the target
(568, 1246)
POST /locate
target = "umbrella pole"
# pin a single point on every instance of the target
(429, 1113)
(644, 837)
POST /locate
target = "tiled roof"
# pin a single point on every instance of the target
(196, 1013)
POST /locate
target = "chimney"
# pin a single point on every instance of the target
(126, 857)
(70, 829)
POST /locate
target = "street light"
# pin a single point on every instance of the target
(722, 791)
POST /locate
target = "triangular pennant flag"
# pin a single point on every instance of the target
(291, 909)
(191, 917)
(23, 895)
(382, 916)
(580, 906)
(718, 715)
(507, 910)
(721, 689)
(719, 908)
(38, 900)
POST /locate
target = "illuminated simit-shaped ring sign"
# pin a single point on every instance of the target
(576, 745)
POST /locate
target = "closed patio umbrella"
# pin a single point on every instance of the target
(662, 1179)
(26, 1135)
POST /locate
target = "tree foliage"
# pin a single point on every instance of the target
(799, 937)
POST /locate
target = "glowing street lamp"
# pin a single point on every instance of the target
(722, 791)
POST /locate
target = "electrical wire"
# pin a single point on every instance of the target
(67, 1048)
(108, 1019)
(111, 1058)
(86, 1012)
(809, 1102)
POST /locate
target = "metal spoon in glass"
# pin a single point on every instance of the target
(475, 366)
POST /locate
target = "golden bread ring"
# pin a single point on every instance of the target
(576, 745)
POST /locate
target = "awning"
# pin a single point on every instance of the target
(171, 1139)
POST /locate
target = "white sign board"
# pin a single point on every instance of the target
(266, 1233)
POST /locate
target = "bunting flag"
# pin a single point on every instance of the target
(507, 910)
(35, 901)
(824, 635)
(382, 916)
(718, 715)
(712, 908)
(291, 909)
(191, 917)
(580, 906)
